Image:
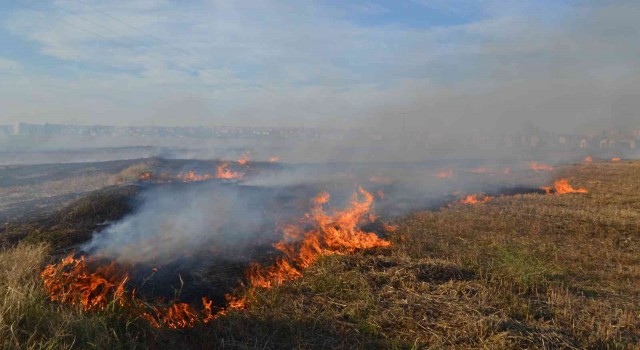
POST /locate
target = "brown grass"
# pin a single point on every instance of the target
(133, 172)
(525, 271)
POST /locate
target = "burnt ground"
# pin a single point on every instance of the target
(522, 271)
(65, 204)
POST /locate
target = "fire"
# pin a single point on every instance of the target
(223, 172)
(94, 285)
(246, 157)
(274, 159)
(192, 176)
(539, 166)
(475, 199)
(506, 170)
(146, 176)
(562, 186)
(320, 233)
(588, 159)
(444, 174)
(615, 159)
(70, 282)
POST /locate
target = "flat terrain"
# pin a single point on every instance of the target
(520, 271)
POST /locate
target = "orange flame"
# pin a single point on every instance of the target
(225, 173)
(191, 176)
(444, 174)
(588, 159)
(246, 157)
(146, 176)
(274, 159)
(539, 166)
(327, 234)
(475, 199)
(75, 281)
(94, 286)
(615, 159)
(69, 282)
(562, 187)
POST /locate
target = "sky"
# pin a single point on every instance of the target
(430, 63)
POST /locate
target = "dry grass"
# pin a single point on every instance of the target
(29, 321)
(133, 172)
(526, 271)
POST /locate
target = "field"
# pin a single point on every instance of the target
(520, 271)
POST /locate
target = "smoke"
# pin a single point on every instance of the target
(174, 221)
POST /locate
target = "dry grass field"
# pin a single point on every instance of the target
(518, 272)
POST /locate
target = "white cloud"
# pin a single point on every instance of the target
(304, 63)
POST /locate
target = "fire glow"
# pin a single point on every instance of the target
(562, 186)
(477, 198)
(94, 285)
(244, 159)
(223, 172)
(328, 234)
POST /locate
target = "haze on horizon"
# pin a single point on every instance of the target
(444, 65)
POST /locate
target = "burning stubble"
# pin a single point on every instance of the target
(94, 284)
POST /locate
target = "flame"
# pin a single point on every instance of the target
(506, 170)
(69, 282)
(225, 173)
(444, 174)
(191, 176)
(475, 199)
(539, 166)
(244, 159)
(325, 234)
(222, 172)
(146, 176)
(274, 159)
(588, 159)
(562, 187)
(615, 159)
(94, 285)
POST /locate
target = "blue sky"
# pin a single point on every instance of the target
(301, 62)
